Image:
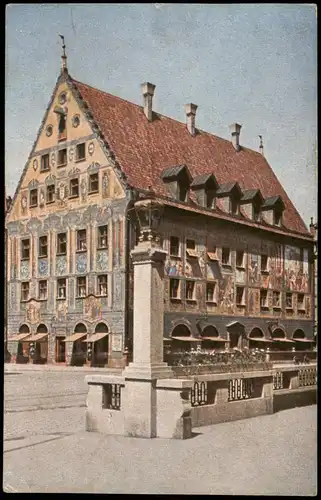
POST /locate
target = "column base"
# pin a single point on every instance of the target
(146, 371)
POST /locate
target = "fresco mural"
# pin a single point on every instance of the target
(33, 312)
(296, 279)
(173, 267)
(192, 268)
(213, 270)
(43, 267)
(253, 301)
(92, 308)
(276, 268)
(226, 294)
(240, 276)
(254, 278)
(61, 311)
(24, 269)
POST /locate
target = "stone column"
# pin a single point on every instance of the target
(140, 405)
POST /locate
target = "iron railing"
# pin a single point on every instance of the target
(199, 394)
(277, 381)
(112, 398)
(240, 388)
(307, 377)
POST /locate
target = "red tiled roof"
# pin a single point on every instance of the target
(144, 149)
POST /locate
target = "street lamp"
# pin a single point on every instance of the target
(149, 213)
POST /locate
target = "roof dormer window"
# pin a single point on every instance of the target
(273, 208)
(251, 202)
(178, 180)
(204, 187)
(230, 194)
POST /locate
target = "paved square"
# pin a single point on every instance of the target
(46, 448)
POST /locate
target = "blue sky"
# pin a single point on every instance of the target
(254, 64)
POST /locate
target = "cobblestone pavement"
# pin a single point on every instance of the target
(47, 450)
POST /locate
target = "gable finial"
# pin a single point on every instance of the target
(63, 57)
(261, 145)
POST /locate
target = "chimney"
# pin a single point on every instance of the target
(148, 92)
(312, 228)
(190, 111)
(261, 145)
(235, 129)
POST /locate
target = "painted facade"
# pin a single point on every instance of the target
(71, 228)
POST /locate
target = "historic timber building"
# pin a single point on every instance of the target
(240, 259)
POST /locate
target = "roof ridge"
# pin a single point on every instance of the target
(165, 116)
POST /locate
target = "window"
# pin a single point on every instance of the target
(239, 258)
(182, 192)
(81, 240)
(276, 302)
(42, 290)
(226, 255)
(256, 214)
(81, 151)
(210, 292)
(93, 183)
(43, 246)
(102, 285)
(74, 188)
(50, 194)
(61, 288)
(24, 291)
(289, 301)
(61, 244)
(264, 263)
(62, 157)
(301, 304)
(234, 207)
(190, 244)
(210, 199)
(174, 246)
(81, 286)
(189, 290)
(174, 289)
(263, 299)
(62, 128)
(44, 163)
(102, 237)
(33, 200)
(25, 249)
(240, 296)
(277, 218)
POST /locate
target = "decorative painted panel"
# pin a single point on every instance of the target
(104, 302)
(254, 278)
(13, 296)
(295, 278)
(102, 260)
(92, 308)
(173, 267)
(276, 268)
(213, 270)
(79, 305)
(192, 268)
(253, 301)
(61, 265)
(61, 311)
(240, 276)
(226, 294)
(120, 241)
(117, 282)
(117, 342)
(71, 292)
(33, 314)
(81, 262)
(24, 269)
(43, 267)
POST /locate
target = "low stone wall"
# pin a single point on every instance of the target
(187, 371)
(294, 385)
(227, 397)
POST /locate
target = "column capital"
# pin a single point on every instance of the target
(148, 252)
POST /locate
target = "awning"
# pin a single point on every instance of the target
(37, 337)
(187, 339)
(215, 339)
(75, 336)
(283, 340)
(166, 339)
(234, 323)
(19, 337)
(304, 340)
(191, 253)
(260, 339)
(96, 336)
(212, 256)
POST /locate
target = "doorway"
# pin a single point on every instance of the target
(60, 350)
